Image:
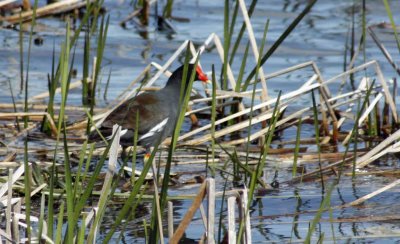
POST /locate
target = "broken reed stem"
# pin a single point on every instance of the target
(170, 219)
(372, 194)
(43, 107)
(189, 214)
(50, 9)
(28, 114)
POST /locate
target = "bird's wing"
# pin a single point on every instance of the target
(149, 108)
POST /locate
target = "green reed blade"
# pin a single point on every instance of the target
(394, 27)
(59, 224)
(297, 148)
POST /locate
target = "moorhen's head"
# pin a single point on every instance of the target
(176, 76)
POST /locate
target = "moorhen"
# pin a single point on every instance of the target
(156, 112)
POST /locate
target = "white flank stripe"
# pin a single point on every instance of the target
(123, 132)
(159, 127)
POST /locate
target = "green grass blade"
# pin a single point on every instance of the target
(167, 13)
(390, 15)
(60, 223)
(297, 148)
(27, 180)
(242, 68)
(224, 85)
(213, 117)
(324, 205)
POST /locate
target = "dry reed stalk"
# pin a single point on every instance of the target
(8, 210)
(19, 216)
(325, 95)
(201, 49)
(43, 107)
(23, 114)
(167, 64)
(170, 219)
(201, 162)
(265, 130)
(26, 5)
(327, 168)
(391, 149)
(220, 121)
(312, 157)
(245, 199)
(232, 94)
(208, 99)
(389, 172)
(43, 95)
(132, 84)
(130, 16)
(384, 51)
(255, 107)
(83, 124)
(380, 150)
(231, 220)
(107, 181)
(211, 210)
(388, 95)
(236, 127)
(105, 190)
(203, 216)
(254, 47)
(32, 118)
(34, 192)
(335, 132)
(221, 105)
(6, 2)
(293, 141)
(359, 91)
(381, 79)
(220, 49)
(363, 116)
(4, 201)
(192, 116)
(15, 229)
(9, 238)
(189, 214)
(363, 219)
(17, 174)
(287, 70)
(371, 195)
(9, 157)
(50, 9)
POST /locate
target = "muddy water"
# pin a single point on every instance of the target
(320, 37)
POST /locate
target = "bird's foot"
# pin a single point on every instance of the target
(147, 156)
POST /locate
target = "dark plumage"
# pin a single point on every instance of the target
(157, 112)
